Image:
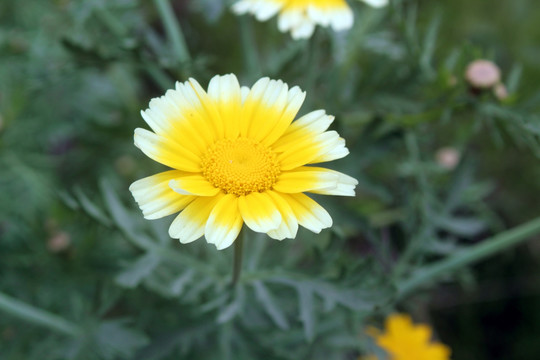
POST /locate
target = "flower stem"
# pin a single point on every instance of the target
(238, 256)
(37, 316)
(249, 49)
(469, 256)
(173, 29)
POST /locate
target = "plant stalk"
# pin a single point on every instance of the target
(249, 49)
(238, 257)
(37, 316)
(471, 255)
(173, 30)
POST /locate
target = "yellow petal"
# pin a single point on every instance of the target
(398, 324)
(309, 214)
(164, 151)
(189, 225)
(323, 147)
(306, 178)
(209, 108)
(225, 93)
(262, 108)
(155, 198)
(289, 225)
(193, 184)
(173, 117)
(308, 126)
(259, 212)
(439, 351)
(295, 99)
(224, 223)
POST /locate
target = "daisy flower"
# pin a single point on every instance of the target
(300, 16)
(238, 157)
(403, 340)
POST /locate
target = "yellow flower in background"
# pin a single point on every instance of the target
(238, 157)
(300, 16)
(403, 340)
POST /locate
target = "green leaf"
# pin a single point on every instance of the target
(132, 276)
(90, 208)
(307, 312)
(462, 226)
(269, 304)
(115, 339)
(229, 312)
(115, 207)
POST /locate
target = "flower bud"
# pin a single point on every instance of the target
(447, 157)
(483, 74)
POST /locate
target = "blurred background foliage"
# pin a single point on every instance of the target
(73, 77)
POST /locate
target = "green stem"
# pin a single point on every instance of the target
(173, 29)
(37, 316)
(469, 256)
(249, 49)
(238, 256)
(413, 148)
(159, 76)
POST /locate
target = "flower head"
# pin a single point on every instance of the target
(402, 340)
(300, 16)
(237, 157)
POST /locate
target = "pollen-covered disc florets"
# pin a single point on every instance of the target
(240, 166)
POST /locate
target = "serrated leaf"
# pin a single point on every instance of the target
(115, 207)
(229, 312)
(461, 226)
(132, 276)
(272, 309)
(307, 313)
(90, 208)
(116, 340)
(178, 285)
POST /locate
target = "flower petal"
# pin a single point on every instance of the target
(263, 108)
(323, 147)
(210, 111)
(306, 178)
(165, 151)
(344, 187)
(193, 185)
(189, 225)
(178, 119)
(376, 3)
(259, 212)
(225, 92)
(295, 99)
(155, 198)
(341, 18)
(289, 225)
(262, 9)
(309, 125)
(309, 214)
(224, 223)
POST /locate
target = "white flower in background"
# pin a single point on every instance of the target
(300, 16)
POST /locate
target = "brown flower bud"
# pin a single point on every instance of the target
(483, 74)
(59, 242)
(500, 92)
(447, 157)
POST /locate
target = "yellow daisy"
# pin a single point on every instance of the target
(402, 340)
(300, 16)
(238, 157)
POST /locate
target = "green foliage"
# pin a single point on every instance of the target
(74, 76)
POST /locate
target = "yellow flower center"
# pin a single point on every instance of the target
(240, 166)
